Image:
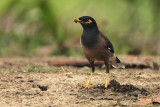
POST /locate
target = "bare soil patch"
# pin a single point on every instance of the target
(64, 85)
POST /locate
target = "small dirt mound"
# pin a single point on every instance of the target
(127, 89)
(115, 91)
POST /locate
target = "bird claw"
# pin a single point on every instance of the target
(88, 86)
(106, 85)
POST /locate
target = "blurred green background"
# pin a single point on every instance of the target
(46, 27)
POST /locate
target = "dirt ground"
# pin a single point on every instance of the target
(31, 81)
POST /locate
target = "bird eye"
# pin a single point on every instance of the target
(88, 21)
(85, 20)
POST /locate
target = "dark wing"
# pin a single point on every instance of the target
(108, 44)
(114, 61)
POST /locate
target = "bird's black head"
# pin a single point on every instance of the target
(87, 22)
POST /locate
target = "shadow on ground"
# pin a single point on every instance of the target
(115, 91)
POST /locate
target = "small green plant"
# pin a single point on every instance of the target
(113, 75)
(19, 93)
(9, 70)
(59, 69)
(33, 69)
(48, 68)
(87, 73)
(36, 69)
(95, 73)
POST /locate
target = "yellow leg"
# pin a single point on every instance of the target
(107, 76)
(89, 81)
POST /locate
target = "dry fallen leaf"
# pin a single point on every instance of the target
(155, 99)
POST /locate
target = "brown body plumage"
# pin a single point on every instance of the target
(100, 51)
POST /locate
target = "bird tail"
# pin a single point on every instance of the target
(116, 63)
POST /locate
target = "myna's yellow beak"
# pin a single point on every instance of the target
(77, 20)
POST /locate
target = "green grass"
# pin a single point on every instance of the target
(113, 75)
(19, 93)
(9, 70)
(32, 69)
(38, 69)
(95, 73)
(35, 69)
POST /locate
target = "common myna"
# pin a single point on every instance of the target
(96, 46)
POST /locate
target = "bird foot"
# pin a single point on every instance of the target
(106, 85)
(88, 86)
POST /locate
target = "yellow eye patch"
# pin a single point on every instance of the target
(89, 21)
